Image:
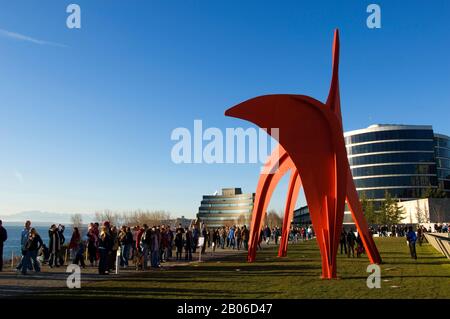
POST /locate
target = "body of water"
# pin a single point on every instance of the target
(14, 232)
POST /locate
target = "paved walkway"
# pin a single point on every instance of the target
(13, 283)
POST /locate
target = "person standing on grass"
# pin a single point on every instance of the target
(179, 243)
(351, 243)
(411, 238)
(238, 237)
(188, 243)
(222, 237)
(215, 239)
(205, 236)
(170, 238)
(343, 241)
(261, 238)
(77, 247)
(420, 235)
(267, 234)
(164, 256)
(231, 237)
(3, 238)
(245, 235)
(195, 236)
(104, 249)
(359, 246)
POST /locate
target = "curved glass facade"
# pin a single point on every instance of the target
(442, 151)
(399, 159)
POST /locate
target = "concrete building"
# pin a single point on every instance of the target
(426, 211)
(232, 207)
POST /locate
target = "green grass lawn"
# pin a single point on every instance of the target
(296, 276)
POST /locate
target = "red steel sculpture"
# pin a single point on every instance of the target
(312, 147)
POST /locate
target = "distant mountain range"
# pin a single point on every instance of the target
(37, 217)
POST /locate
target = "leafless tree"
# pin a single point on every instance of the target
(76, 220)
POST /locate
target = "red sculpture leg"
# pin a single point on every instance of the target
(311, 133)
(361, 224)
(291, 198)
(266, 185)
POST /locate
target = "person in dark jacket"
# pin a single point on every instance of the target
(32, 247)
(411, 238)
(92, 243)
(23, 240)
(3, 238)
(343, 241)
(351, 238)
(104, 248)
(188, 243)
(54, 246)
(179, 243)
(245, 236)
(126, 241)
(62, 240)
(204, 234)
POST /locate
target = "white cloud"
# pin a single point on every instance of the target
(22, 37)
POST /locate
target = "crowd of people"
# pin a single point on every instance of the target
(349, 243)
(105, 244)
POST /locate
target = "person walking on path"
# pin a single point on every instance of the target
(23, 241)
(3, 238)
(34, 243)
(411, 238)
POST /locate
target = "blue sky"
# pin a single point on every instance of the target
(86, 115)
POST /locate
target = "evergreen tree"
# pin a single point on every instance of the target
(390, 213)
(434, 193)
(368, 209)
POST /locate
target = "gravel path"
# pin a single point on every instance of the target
(13, 283)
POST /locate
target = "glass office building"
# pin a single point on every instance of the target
(442, 151)
(230, 208)
(404, 160)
